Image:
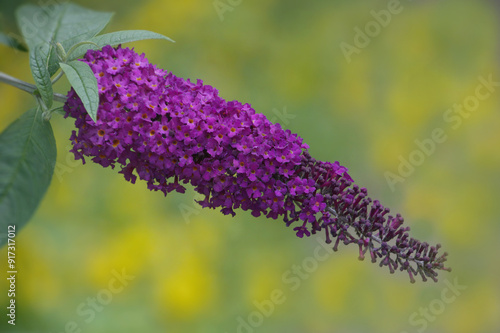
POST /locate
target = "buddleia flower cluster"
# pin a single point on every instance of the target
(169, 132)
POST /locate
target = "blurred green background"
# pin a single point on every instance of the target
(199, 271)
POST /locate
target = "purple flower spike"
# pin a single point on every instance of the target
(170, 132)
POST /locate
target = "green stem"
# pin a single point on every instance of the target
(25, 86)
(59, 75)
(77, 45)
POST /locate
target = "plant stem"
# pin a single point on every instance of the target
(58, 76)
(25, 86)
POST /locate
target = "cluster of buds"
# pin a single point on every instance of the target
(169, 132)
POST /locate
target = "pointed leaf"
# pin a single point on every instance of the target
(39, 57)
(27, 160)
(13, 42)
(115, 38)
(82, 79)
(66, 23)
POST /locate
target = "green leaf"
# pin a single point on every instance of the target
(115, 38)
(82, 79)
(12, 41)
(66, 23)
(27, 160)
(39, 57)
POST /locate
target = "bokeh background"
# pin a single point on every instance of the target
(199, 271)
